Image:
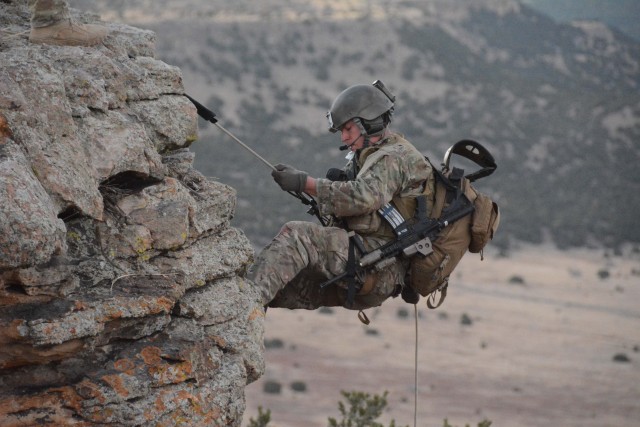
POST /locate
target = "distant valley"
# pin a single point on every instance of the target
(558, 104)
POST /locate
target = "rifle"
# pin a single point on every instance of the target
(416, 240)
(306, 199)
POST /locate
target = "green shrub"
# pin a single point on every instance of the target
(362, 411)
(484, 423)
(466, 320)
(516, 280)
(403, 313)
(299, 386)
(272, 387)
(263, 418)
(273, 343)
(621, 357)
(325, 310)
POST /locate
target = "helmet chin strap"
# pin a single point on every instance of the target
(363, 132)
(367, 141)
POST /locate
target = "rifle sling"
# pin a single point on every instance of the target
(351, 271)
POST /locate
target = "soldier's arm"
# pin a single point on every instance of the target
(365, 194)
(310, 186)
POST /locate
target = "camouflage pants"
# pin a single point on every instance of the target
(48, 12)
(290, 270)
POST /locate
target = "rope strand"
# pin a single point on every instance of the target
(415, 372)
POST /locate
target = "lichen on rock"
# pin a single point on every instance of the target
(121, 279)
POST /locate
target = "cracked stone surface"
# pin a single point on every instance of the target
(121, 279)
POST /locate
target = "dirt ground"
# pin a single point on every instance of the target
(539, 338)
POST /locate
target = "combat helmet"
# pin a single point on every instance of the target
(370, 105)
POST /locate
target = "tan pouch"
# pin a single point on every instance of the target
(430, 272)
(484, 222)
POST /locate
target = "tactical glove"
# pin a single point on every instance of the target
(289, 178)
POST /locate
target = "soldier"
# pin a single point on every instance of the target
(384, 167)
(51, 23)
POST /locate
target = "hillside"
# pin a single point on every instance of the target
(620, 14)
(558, 104)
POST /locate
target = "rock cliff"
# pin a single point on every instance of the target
(122, 294)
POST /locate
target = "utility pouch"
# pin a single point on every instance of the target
(484, 222)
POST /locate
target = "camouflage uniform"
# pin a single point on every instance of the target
(303, 255)
(48, 12)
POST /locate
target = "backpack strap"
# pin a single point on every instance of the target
(448, 189)
(443, 294)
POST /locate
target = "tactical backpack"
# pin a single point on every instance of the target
(433, 230)
(430, 274)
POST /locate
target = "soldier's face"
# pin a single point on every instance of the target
(350, 135)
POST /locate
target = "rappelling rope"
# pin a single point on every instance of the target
(245, 146)
(415, 372)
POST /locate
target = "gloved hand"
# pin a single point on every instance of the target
(289, 178)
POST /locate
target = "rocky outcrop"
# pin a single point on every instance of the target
(122, 294)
